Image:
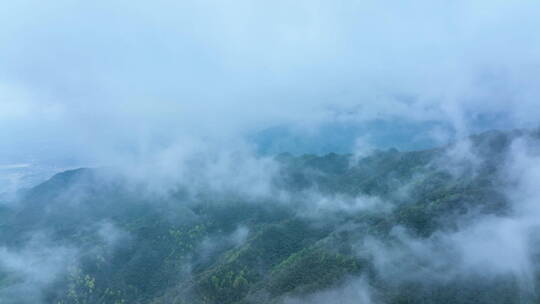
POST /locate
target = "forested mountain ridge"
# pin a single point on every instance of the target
(394, 227)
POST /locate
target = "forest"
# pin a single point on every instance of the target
(390, 227)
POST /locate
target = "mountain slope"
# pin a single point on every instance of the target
(390, 219)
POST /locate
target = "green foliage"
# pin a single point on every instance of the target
(183, 250)
(310, 270)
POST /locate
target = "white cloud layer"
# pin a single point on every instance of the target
(94, 78)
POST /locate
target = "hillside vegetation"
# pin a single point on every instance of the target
(388, 221)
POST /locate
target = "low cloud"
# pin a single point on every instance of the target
(150, 76)
(32, 268)
(355, 291)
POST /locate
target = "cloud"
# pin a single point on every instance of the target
(116, 77)
(488, 247)
(355, 291)
(33, 268)
(168, 91)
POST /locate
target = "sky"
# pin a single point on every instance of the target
(93, 82)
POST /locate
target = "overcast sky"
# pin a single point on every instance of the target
(89, 80)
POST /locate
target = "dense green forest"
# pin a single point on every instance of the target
(391, 227)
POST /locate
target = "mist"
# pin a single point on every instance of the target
(92, 83)
(229, 147)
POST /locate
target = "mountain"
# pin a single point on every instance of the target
(341, 137)
(391, 227)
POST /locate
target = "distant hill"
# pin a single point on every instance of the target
(343, 136)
